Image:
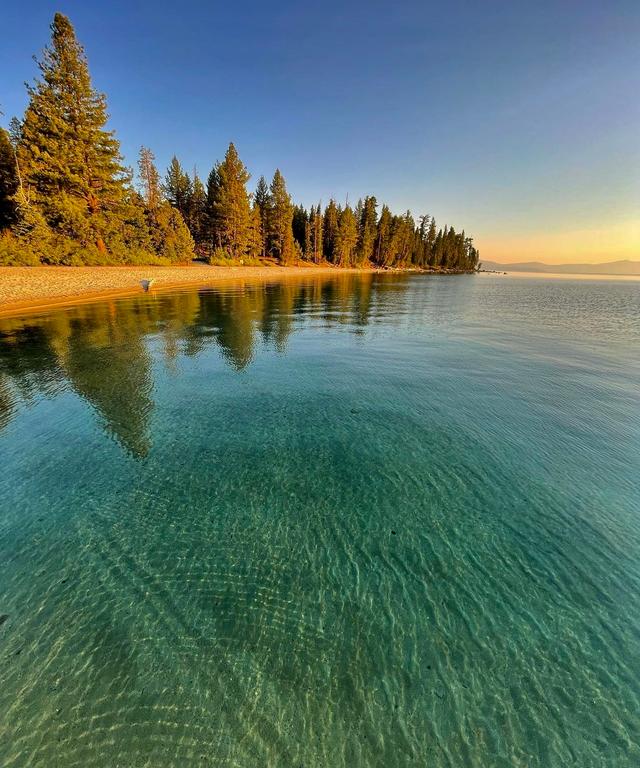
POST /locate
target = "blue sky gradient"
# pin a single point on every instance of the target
(518, 121)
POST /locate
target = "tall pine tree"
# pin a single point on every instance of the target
(169, 235)
(261, 200)
(367, 230)
(69, 162)
(178, 188)
(280, 233)
(431, 242)
(330, 231)
(381, 252)
(197, 211)
(232, 220)
(316, 231)
(346, 238)
(300, 227)
(149, 180)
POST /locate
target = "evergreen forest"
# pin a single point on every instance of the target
(66, 197)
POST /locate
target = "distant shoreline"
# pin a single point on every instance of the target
(36, 288)
(558, 275)
(621, 267)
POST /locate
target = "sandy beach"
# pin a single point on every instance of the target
(32, 288)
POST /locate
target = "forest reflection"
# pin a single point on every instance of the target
(103, 351)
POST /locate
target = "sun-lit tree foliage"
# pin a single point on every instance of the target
(67, 198)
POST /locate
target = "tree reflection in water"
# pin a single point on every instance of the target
(101, 351)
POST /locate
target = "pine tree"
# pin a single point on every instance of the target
(346, 238)
(358, 210)
(471, 254)
(316, 227)
(300, 227)
(197, 210)
(8, 182)
(69, 163)
(149, 180)
(169, 234)
(261, 200)
(213, 185)
(178, 188)
(367, 230)
(230, 208)
(394, 254)
(256, 236)
(431, 242)
(406, 234)
(330, 231)
(420, 256)
(383, 235)
(308, 247)
(279, 228)
(438, 254)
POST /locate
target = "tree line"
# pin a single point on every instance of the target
(67, 198)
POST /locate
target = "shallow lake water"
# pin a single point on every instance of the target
(338, 521)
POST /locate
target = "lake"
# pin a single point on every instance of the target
(338, 521)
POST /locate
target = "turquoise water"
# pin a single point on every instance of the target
(353, 521)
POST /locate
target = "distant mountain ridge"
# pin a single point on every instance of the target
(625, 267)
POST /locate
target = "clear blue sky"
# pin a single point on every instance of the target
(519, 121)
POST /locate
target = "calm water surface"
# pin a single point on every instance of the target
(353, 521)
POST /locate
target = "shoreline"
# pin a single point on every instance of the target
(31, 289)
(38, 288)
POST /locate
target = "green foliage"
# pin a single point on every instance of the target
(75, 204)
(367, 230)
(330, 231)
(220, 258)
(65, 197)
(315, 229)
(149, 180)
(307, 233)
(346, 238)
(232, 222)
(8, 182)
(279, 221)
(299, 226)
(170, 236)
(256, 235)
(178, 188)
(261, 201)
(197, 211)
(15, 252)
(382, 247)
(70, 165)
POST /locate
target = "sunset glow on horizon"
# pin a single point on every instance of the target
(617, 242)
